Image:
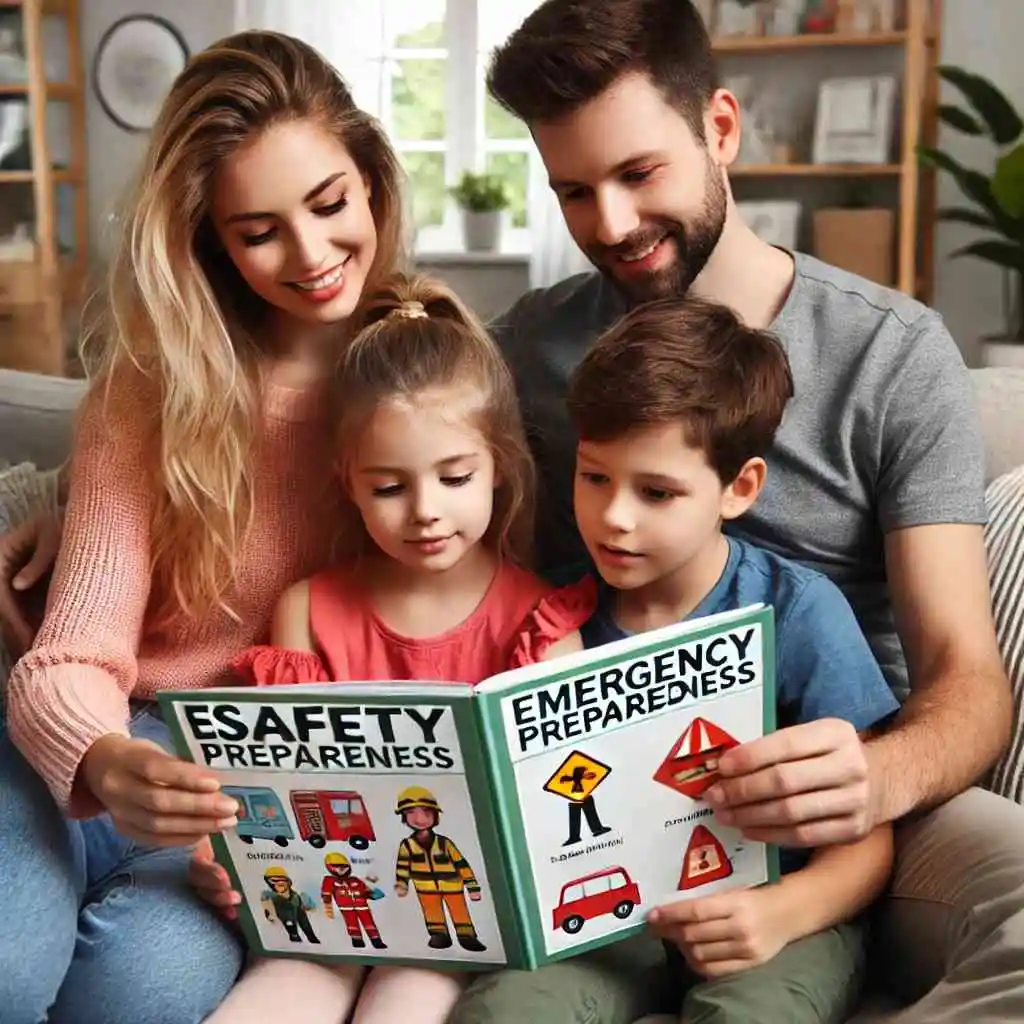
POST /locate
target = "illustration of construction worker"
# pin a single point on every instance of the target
(281, 902)
(352, 896)
(432, 864)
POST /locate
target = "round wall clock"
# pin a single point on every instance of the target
(136, 62)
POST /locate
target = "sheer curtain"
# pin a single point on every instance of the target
(554, 256)
(348, 34)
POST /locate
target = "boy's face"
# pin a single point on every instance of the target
(647, 505)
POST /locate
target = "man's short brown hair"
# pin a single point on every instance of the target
(567, 52)
(689, 361)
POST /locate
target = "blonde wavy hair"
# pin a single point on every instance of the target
(416, 335)
(179, 313)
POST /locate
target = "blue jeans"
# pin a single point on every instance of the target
(93, 928)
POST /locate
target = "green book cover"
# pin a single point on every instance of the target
(532, 817)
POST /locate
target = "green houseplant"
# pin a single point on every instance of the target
(996, 199)
(482, 199)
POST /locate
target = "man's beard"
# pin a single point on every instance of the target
(694, 243)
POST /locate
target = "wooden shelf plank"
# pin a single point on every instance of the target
(814, 170)
(61, 175)
(54, 90)
(809, 41)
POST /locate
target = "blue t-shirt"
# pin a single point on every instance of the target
(824, 667)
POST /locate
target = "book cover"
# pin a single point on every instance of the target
(532, 817)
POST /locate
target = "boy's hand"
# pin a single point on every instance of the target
(154, 798)
(724, 933)
(211, 881)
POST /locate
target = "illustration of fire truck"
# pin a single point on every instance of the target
(335, 815)
(611, 891)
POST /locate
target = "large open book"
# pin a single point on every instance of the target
(517, 822)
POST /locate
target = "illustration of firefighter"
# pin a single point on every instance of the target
(432, 864)
(352, 896)
(281, 902)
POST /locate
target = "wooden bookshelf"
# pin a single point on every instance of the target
(35, 293)
(814, 170)
(919, 38)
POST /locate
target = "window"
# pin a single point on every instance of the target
(426, 83)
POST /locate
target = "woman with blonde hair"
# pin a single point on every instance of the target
(266, 204)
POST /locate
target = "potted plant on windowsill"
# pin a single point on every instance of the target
(483, 198)
(997, 198)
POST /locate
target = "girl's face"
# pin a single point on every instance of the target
(423, 478)
(293, 212)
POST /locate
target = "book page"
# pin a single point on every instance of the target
(611, 758)
(356, 833)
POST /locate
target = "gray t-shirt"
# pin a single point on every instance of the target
(882, 431)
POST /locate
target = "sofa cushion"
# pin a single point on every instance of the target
(36, 415)
(1004, 539)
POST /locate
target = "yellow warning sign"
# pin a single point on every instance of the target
(577, 777)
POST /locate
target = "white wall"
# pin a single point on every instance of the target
(114, 153)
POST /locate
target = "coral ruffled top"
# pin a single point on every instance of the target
(515, 624)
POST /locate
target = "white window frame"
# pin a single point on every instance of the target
(465, 145)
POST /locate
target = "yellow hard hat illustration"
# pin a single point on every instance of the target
(275, 872)
(416, 796)
(336, 858)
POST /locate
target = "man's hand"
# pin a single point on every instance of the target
(725, 933)
(807, 785)
(26, 554)
(211, 881)
(474, 895)
(154, 798)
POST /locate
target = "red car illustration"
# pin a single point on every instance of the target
(611, 891)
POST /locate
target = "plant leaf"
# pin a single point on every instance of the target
(1008, 182)
(961, 216)
(975, 186)
(996, 111)
(1003, 254)
(958, 118)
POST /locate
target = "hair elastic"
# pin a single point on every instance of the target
(411, 310)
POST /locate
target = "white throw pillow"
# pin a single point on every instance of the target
(1004, 540)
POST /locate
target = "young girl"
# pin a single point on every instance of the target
(265, 203)
(431, 580)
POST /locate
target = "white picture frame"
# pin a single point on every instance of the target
(854, 121)
(775, 221)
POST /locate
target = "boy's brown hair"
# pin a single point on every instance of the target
(689, 361)
(567, 52)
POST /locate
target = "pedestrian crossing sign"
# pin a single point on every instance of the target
(577, 777)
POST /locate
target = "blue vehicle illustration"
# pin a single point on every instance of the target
(261, 815)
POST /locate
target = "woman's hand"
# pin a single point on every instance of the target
(212, 883)
(27, 553)
(153, 797)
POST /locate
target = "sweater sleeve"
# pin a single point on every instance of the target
(73, 686)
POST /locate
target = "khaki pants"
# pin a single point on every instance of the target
(948, 938)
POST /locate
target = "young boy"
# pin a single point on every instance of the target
(675, 408)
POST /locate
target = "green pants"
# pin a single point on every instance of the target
(814, 981)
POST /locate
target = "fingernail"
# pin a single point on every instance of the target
(227, 823)
(714, 795)
(236, 898)
(725, 817)
(227, 806)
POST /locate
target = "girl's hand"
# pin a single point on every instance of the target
(727, 932)
(212, 883)
(154, 798)
(26, 554)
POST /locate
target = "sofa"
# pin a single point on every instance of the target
(35, 425)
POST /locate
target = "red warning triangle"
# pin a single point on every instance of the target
(692, 764)
(705, 860)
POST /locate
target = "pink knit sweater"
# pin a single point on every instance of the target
(97, 647)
